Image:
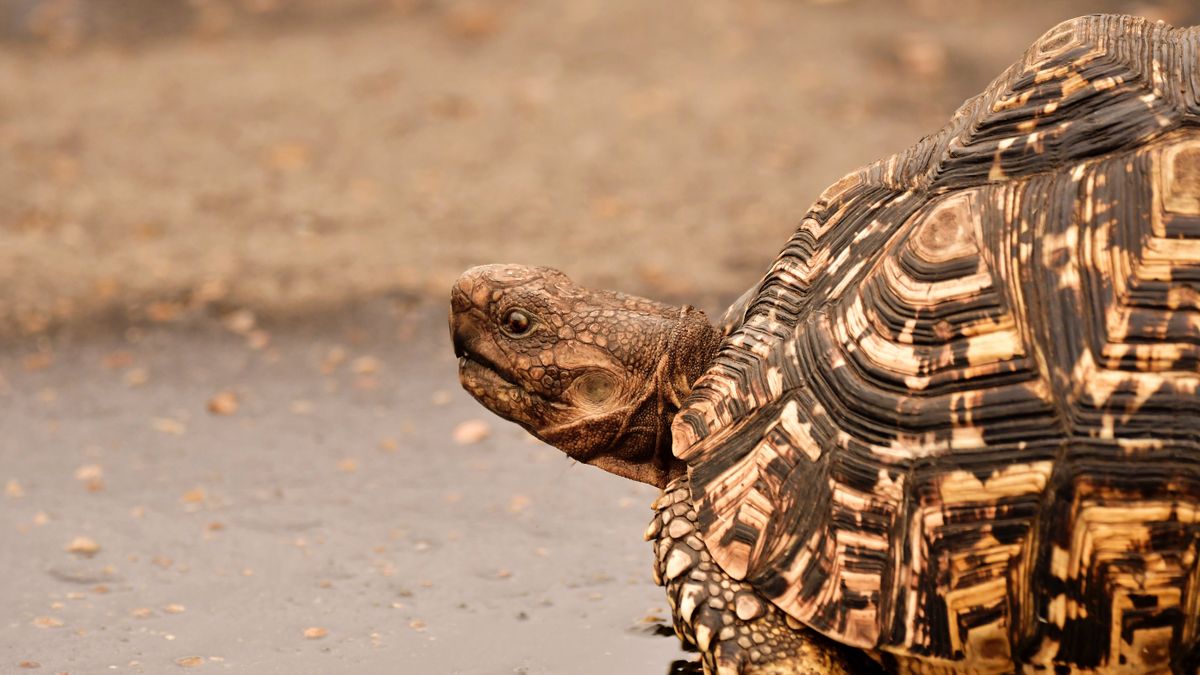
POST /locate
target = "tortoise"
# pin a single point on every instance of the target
(955, 427)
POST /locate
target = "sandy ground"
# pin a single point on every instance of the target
(233, 437)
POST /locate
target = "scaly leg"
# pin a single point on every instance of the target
(735, 629)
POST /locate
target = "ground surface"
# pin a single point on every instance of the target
(257, 206)
(334, 498)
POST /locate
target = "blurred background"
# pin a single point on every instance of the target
(233, 438)
(165, 156)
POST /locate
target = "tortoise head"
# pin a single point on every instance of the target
(597, 374)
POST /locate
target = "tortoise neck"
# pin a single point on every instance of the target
(690, 349)
(641, 449)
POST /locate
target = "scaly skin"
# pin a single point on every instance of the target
(600, 375)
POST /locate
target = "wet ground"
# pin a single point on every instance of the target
(233, 439)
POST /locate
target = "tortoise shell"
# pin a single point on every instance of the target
(959, 417)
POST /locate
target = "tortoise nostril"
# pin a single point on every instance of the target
(460, 308)
(459, 331)
(460, 345)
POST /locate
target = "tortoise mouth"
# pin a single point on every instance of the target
(497, 392)
(475, 370)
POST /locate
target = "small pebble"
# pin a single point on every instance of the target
(332, 360)
(193, 496)
(136, 377)
(365, 365)
(223, 403)
(83, 546)
(13, 489)
(471, 432)
(240, 321)
(169, 426)
(92, 477)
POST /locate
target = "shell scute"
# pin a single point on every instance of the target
(959, 420)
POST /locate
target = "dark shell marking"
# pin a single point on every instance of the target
(959, 421)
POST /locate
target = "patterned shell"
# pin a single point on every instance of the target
(959, 420)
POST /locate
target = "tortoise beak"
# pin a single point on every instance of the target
(468, 299)
(460, 307)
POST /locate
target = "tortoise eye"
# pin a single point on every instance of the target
(516, 322)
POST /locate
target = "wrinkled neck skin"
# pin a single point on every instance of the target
(641, 445)
(597, 374)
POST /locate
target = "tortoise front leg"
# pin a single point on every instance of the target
(736, 630)
(769, 645)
